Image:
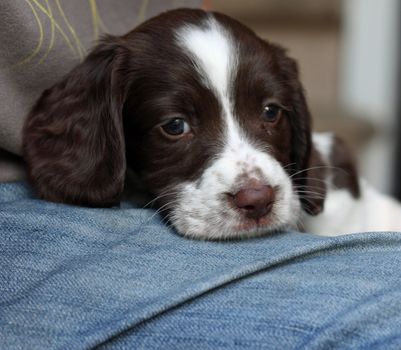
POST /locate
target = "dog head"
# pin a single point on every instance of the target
(211, 118)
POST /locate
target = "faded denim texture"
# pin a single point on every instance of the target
(78, 278)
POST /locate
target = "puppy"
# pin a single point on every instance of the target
(351, 204)
(211, 118)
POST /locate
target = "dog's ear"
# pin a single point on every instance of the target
(310, 172)
(315, 177)
(299, 116)
(306, 172)
(73, 137)
(343, 167)
(331, 164)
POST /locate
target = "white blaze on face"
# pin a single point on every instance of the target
(202, 209)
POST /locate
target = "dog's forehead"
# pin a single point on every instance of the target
(213, 51)
(214, 54)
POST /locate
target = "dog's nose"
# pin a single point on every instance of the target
(255, 202)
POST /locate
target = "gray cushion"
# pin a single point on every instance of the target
(41, 41)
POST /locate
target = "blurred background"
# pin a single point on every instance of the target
(349, 57)
(349, 54)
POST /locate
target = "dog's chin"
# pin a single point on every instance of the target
(239, 230)
(232, 225)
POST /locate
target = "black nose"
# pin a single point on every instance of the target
(255, 202)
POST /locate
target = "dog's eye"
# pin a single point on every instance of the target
(176, 127)
(271, 113)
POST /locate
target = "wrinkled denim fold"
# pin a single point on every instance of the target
(79, 278)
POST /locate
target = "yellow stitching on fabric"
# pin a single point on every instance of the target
(142, 11)
(57, 26)
(95, 28)
(96, 19)
(79, 46)
(52, 34)
(40, 42)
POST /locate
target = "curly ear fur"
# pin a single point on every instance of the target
(311, 174)
(344, 170)
(307, 174)
(73, 137)
(315, 187)
(331, 164)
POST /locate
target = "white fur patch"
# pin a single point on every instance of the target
(323, 142)
(212, 48)
(216, 59)
(344, 214)
(202, 209)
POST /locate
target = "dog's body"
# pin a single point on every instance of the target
(351, 204)
(211, 118)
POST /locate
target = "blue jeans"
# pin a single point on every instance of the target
(79, 278)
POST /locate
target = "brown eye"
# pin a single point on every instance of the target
(271, 113)
(176, 127)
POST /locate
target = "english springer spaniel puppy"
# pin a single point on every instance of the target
(213, 121)
(351, 204)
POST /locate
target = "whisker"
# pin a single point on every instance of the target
(310, 202)
(286, 166)
(307, 191)
(318, 167)
(163, 194)
(163, 208)
(328, 183)
(312, 197)
(315, 189)
(300, 225)
(312, 190)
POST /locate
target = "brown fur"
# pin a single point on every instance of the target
(105, 115)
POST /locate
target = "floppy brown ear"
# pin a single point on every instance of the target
(330, 164)
(315, 186)
(306, 173)
(299, 116)
(343, 167)
(73, 137)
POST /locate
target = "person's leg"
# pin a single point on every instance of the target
(344, 296)
(77, 278)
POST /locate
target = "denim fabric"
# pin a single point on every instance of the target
(78, 278)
